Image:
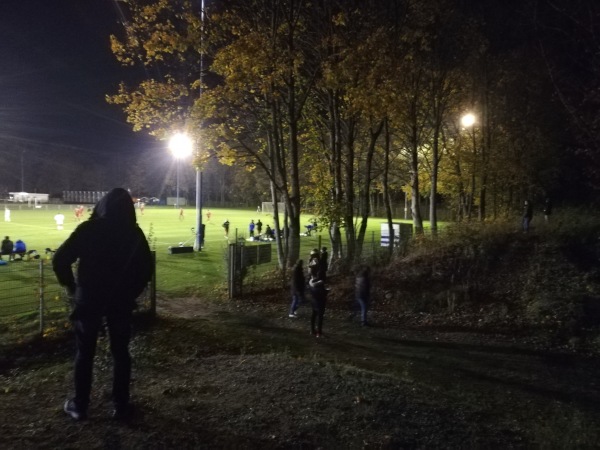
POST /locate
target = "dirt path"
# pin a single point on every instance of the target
(518, 379)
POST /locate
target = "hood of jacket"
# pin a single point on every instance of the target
(116, 207)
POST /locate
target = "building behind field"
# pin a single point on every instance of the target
(83, 197)
(26, 197)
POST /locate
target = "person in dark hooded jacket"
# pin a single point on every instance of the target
(115, 265)
(363, 292)
(297, 287)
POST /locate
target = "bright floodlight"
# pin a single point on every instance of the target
(467, 120)
(180, 145)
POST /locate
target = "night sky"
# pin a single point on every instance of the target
(56, 68)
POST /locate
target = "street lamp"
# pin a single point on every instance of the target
(468, 120)
(181, 147)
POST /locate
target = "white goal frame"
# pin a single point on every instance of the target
(267, 207)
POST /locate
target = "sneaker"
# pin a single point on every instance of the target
(72, 410)
(319, 335)
(293, 316)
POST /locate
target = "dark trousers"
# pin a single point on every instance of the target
(86, 336)
(318, 311)
(364, 308)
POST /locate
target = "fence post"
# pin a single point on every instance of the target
(153, 286)
(41, 293)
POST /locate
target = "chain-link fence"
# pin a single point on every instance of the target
(33, 303)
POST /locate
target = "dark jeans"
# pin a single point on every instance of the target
(318, 311)
(86, 335)
(297, 300)
(364, 308)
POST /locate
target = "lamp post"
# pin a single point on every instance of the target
(181, 147)
(468, 121)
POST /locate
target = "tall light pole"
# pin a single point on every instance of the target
(199, 231)
(181, 147)
(468, 121)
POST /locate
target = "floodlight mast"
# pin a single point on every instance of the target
(181, 147)
(199, 237)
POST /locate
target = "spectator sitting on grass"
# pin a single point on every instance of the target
(7, 248)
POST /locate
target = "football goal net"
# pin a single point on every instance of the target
(267, 207)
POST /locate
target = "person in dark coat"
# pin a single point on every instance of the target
(547, 208)
(259, 225)
(323, 258)
(319, 299)
(527, 215)
(115, 265)
(314, 265)
(297, 286)
(226, 227)
(7, 248)
(363, 292)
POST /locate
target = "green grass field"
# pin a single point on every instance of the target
(177, 275)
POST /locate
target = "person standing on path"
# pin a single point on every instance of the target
(547, 208)
(115, 265)
(363, 292)
(297, 286)
(259, 225)
(323, 258)
(251, 228)
(319, 299)
(314, 263)
(527, 215)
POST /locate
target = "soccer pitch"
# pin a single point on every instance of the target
(177, 275)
